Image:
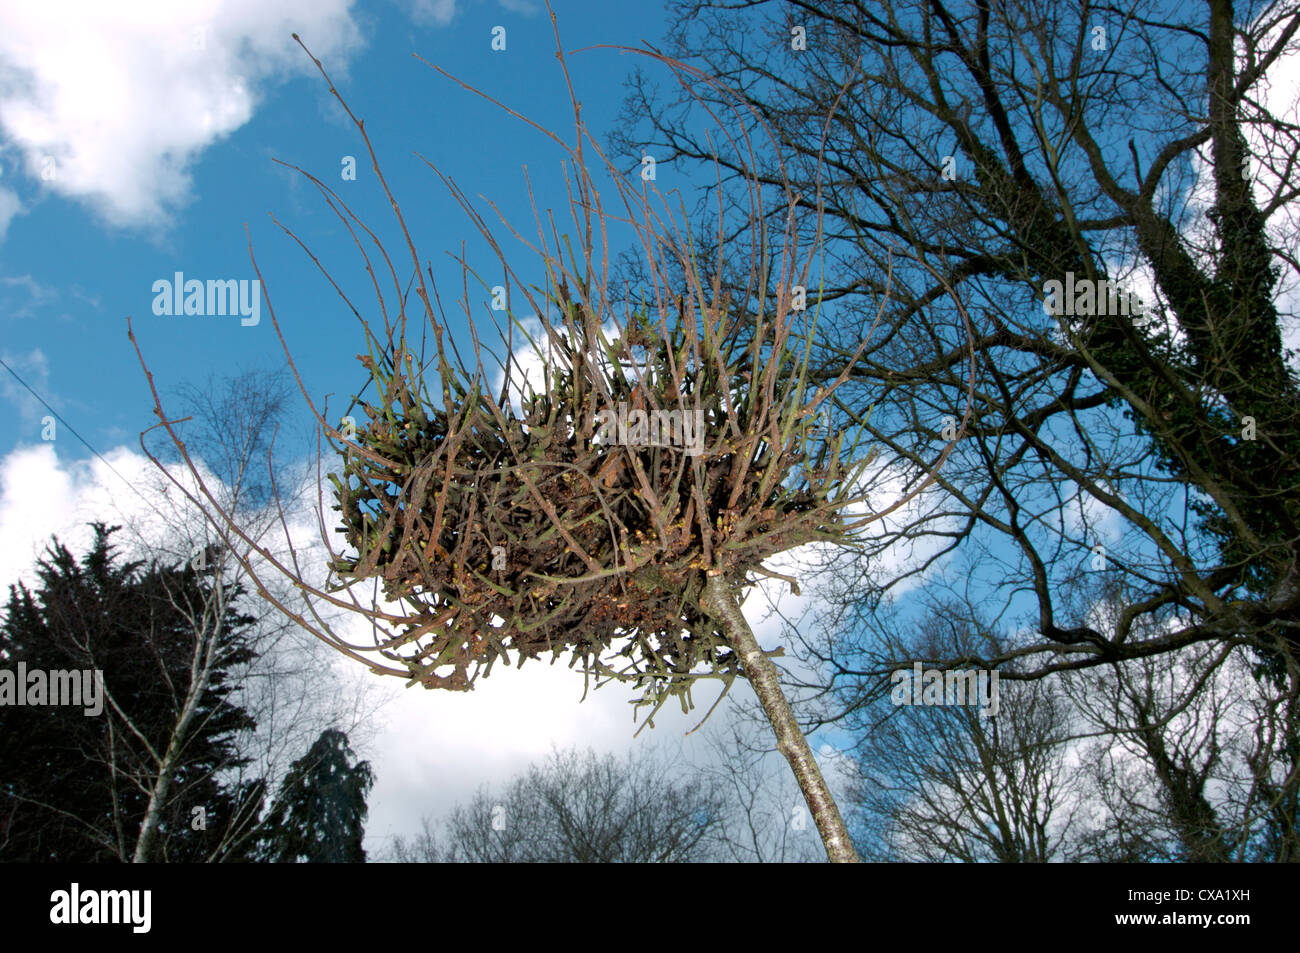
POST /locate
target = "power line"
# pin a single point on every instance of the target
(59, 418)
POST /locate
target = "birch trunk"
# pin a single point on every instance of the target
(720, 602)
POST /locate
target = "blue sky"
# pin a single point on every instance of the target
(163, 121)
(136, 141)
(81, 252)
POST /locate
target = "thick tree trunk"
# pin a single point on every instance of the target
(720, 602)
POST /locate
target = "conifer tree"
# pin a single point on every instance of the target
(319, 816)
(77, 787)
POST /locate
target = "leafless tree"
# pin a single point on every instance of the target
(765, 819)
(948, 779)
(287, 685)
(1189, 760)
(1179, 757)
(576, 807)
(1021, 143)
(1134, 444)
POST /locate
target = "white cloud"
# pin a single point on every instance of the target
(33, 501)
(10, 206)
(527, 7)
(439, 12)
(429, 749)
(113, 102)
(1270, 168)
(528, 362)
(34, 368)
(35, 290)
(442, 12)
(41, 496)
